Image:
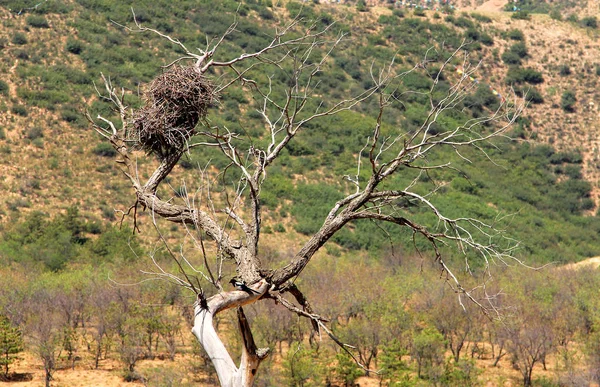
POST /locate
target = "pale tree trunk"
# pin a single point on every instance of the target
(229, 375)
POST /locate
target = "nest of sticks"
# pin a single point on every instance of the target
(174, 103)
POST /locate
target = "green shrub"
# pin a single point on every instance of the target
(566, 157)
(74, 46)
(567, 101)
(534, 96)
(486, 39)
(481, 18)
(265, 14)
(555, 14)
(510, 58)
(104, 149)
(564, 70)
(572, 18)
(37, 21)
(521, 15)
(519, 49)
(19, 38)
(463, 22)
(20, 110)
(35, 133)
(521, 75)
(4, 88)
(398, 12)
(419, 12)
(516, 34)
(589, 22)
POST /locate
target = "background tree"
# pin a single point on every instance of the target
(394, 176)
(11, 343)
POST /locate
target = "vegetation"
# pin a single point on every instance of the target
(539, 192)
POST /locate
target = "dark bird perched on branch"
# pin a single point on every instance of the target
(239, 285)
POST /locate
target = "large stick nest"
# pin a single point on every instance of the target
(174, 103)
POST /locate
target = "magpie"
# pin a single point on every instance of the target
(239, 285)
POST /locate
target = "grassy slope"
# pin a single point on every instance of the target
(49, 154)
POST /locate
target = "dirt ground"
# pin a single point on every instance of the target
(492, 6)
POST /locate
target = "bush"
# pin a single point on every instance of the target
(19, 38)
(510, 58)
(519, 49)
(556, 15)
(74, 46)
(520, 75)
(463, 22)
(35, 133)
(481, 18)
(20, 110)
(564, 70)
(572, 18)
(521, 15)
(589, 22)
(567, 101)
(265, 14)
(398, 12)
(534, 96)
(486, 39)
(37, 21)
(516, 35)
(104, 149)
(419, 12)
(4, 88)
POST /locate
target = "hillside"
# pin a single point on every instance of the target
(75, 245)
(52, 57)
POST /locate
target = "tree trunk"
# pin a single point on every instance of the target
(229, 375)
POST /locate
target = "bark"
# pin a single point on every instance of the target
(229, 375)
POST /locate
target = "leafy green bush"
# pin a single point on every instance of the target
(34, 133)
(521, 15)
(398, 12)
(463, 22)
(568, 100)
(515, 34)
(520, 75)
(104, 149)
(37, 21)
(589, 22)
(4, 88)
(555, 14)
(572, 18)
(566, 157)
(510, 58)
(419, 12)
(19, 38)
(486, 39)
(533, 95)
(564, 70)
(74, 46)
(481, 18)
(20, 110)
(519, 49)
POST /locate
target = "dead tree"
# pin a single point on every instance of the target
(173, 121)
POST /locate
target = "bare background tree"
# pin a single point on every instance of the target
(225, 225)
